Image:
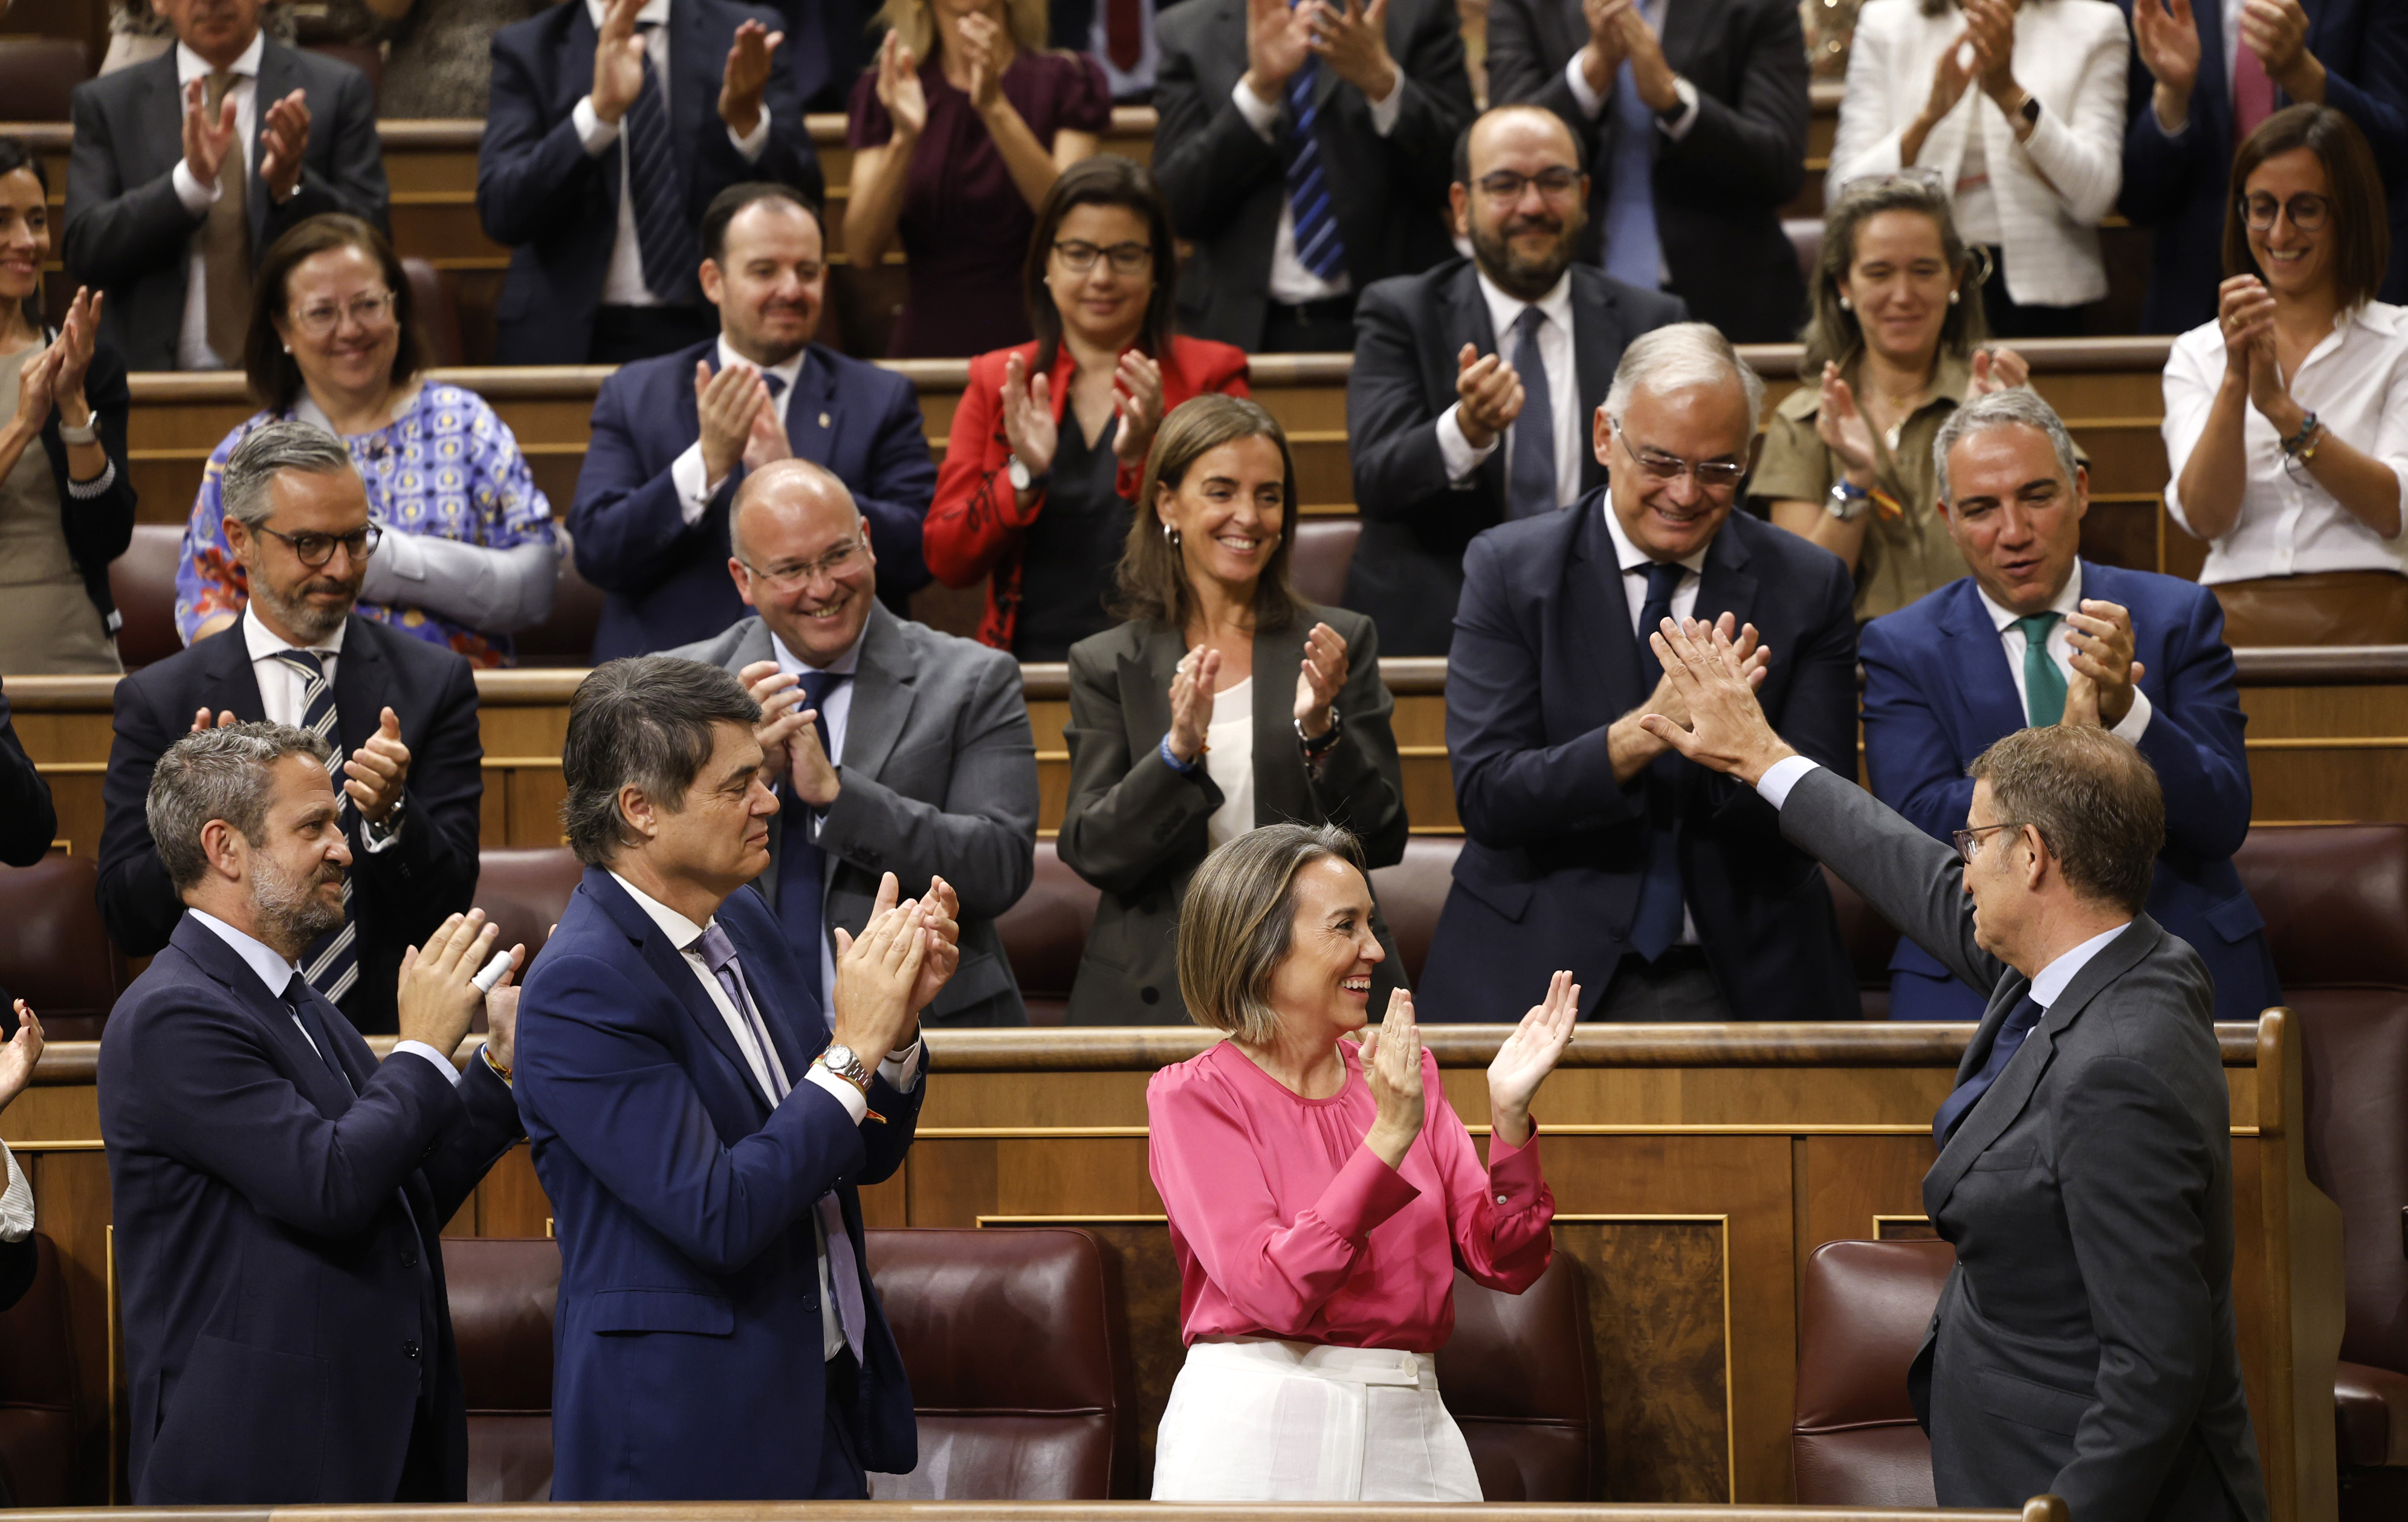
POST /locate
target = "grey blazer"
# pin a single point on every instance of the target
(1137, 829)
(939, 780)
(2085, 1344)
(128, 235)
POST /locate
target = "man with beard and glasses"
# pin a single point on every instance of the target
(400, 713)
(675, 437)
(1474, 385)
(278, 1194)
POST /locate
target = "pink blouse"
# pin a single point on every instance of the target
(1286, 1225)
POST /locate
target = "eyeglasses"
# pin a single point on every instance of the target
(1965, 839)
(315, 550)
(372, 310)
(1126, 258)
(1717, 477)
(2307, 211)
(795, 577)
(1506, 185)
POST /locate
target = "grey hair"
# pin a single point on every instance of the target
(1999, 409)
(268, 451)
(218, 774)
(1680, 357)
(643, 721)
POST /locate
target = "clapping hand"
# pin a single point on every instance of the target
(1392, 1066)
(745, 75)
(1278, 40)
(207, 141)
(1028, 423)
(36, 384)
(2168, 39)
(77, 335)
(438, 995)
(1841, 425)
(284, 139)
(2103, 666)
(1650, 71)
(502, 1010)
(1528, 1056)
(1488, 397)
(21, 1053)
(876, 975)
(1320, 680)
(726, 406)
(1192, 685)
(223, 720)
(618, 61)
(765, 441)
(1949, 78)
(780, 694)
(1998, 368)
(899, 90)
(1354, 42)
(1601, 59)
(940, 911)
(2278, 32)
(1990, 27)
(1136, 394)
(981, 46)
(374, 774)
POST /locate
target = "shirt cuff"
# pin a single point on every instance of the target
(1461, 458)
(196, 197)
(1258, 116)
(591, 131)
(2174, 134)
(17, 1203)
(1678, 126)
(1385, 112)
(693, 490)
(1780, 777)
(451, 1075)
(753, 142)
(2136, 723)
(856, 1103)
(379, 839)
(1514, 1182)
(902, 1069)
(1591, 102)
(1366, 1192)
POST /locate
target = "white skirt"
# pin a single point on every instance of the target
(1262, 1420)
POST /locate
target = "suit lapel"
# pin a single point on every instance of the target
(693, 96)
(1726, 585)
(1597, 346)
(363, 687)
(676, 974)
(1145, 689)
(329, 1095)
(161, 111)
(1598, 619)
(1467, 321)
(226, 670)
(883, 684)
(1977, 663)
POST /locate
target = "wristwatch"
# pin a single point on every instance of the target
(1021, 481)
(846, 1063)
(2029, 110)
(1847, 501)
(89, 433)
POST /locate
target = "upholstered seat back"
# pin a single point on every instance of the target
(1516, 1378)
(55, 951)
(1045, 934)
(39, 1432)
(503, 1292)
(1863, 1311)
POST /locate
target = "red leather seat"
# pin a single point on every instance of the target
(1011, 1339)
(55, 951)
(1317, 564)
(142, 582)
(1516, 1378)
(525, 889)
(503, 1292)
(38, 1396)
(438, 315)
(1862, 1313)
(1045, 934)
(37, 75)
(1413, 892)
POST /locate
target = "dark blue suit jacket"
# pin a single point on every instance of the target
(689, 1328)
(1938, 691)
(2178, 186)
(1543, 661)
(277, 1240)
(557, 206)
(667, 580)
(828, 46)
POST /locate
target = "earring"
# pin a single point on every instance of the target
(288, 349)
(1170, 537)
(1847, 305)
(1956, 296)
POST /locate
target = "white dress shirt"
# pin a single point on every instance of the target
(2061, 650)
(1563, 388)
(277, 974)
(687, 473)
(283, 694)
(2356, 381)
(1229, 761)
(1635, 568)
(16, 1202)
(1291, 284)
(624, 285)
(837, 713)
(193, 351)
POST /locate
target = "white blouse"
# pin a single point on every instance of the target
(1229, 761)
(2356, 381)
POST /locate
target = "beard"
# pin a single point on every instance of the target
(310, 620)
(1526, 279)
(290, 912)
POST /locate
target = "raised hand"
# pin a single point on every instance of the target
(1320, 680)
(783, 715)
(77, 335)
(1191, 700)
(439, 994)
(1029, 422)
(1488, 397)
(1755, 660)
(1354, 42)
(2168, 39)
(765, 441)
(1726, 729)
(618, 61)
(21, 1055)
(1949, 78)
(284, 139)
(1990, 26)
(1841, 425)
(745, 75)
(375, 773)
(1136, 394)
(940, 911)
(1278, 40)
(206, 140)
(1601, 59)
(2278, 32)
(1392, 1066)
(726, 405)
(1528, 1055)
(981, 43)
(1998, 368)
(2102, 656)
(899, 90)
(875, 975)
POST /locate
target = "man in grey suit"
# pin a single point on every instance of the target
(899, 749)
(185, 168)
(2085, 1344)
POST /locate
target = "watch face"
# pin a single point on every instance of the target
(1019, 474)
(841, 1058)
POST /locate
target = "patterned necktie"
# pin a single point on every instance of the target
(664, 235)
(1530, 482)
(1318, 247)
(1655, 925)
(225, 239)
(332, 963)
(1633, 252)
(802, 868)
(2002, 1049)
(2044, 683)
(844, 1270)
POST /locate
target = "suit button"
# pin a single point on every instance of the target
(1149, 995)
(409, 1257)
(409, 1349)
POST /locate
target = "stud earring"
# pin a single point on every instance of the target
(1956, 296)
(1847, 305)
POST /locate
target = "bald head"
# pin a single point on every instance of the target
(802, 557)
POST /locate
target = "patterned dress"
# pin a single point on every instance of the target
(447, 467)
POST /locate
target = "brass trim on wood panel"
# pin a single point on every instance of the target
(2328, 743)
(1093, 1216)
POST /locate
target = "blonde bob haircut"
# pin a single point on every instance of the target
(1237, 924)
(915, 22)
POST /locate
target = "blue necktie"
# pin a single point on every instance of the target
(802, 869)
(1531, 481)
(332, 962)
(664, 235)
(1657, 922)
(1318, 247)
(314, 1022)
(1633, 252)
(2009, 1040)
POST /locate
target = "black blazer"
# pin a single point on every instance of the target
(128, 235)
(97, 528)
(1226, 185)
(279, 1240)
(557, 206)
(1719, 189)
(1137, 829)
(1543, 661)
(398, 895)
(28, 819)
(2108, 1373)
(1408, 566)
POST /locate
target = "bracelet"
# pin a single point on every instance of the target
(1317, 747)
(2306, 438)
(1172, 761)
(88, 433)
(501, 1072)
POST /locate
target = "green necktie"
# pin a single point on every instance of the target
(2044, 683)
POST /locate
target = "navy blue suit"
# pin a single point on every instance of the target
(828, 46)
(1543, 661)
(689, 1328)
(557, 206)
(2178, 186)
(667, 580)
(1938, 691)
(277, 1243)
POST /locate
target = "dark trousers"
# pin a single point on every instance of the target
(841, 1476)
(422, 1473)
(2009, 319)
(1676, 988)
(1317, 327)
(625, 334)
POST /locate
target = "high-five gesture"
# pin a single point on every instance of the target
(1354, 42)
(1528, 1055)
(1392, 1066)
(745, 75)
(375, 774)
(1192, 685)
(1726, 729)
(1323, 677)
(618, 61)
(206, 140)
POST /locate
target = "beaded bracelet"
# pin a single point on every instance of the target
(2306, 438)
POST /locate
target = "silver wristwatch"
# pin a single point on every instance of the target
(1021, 478)
(846, 1063)
(88, 434)
(1847, 503)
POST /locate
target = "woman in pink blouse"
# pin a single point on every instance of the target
(1318, 1202)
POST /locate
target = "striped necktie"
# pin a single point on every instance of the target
(332, 963)
(665, 236)
(1318, 247)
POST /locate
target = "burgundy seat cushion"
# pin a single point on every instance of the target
(37, 1388)
(2333, 898)
(1862, 1315)
(1045, 934)
(55, 951)
(503, 1291)
(1412, 894)
(2371, 1415)
(1324, 550)
(37, 76)
(1516, 1378)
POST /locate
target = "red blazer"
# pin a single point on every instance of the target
(975, 527)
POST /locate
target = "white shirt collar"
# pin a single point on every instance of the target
(2069, 602)
(683, 931)
(264, 642)
(273, 970)
(2054, 977)
(1629, 556)
(655, 11)
(1505, 309)
(790, 372)
(190, 65)
(843, 666)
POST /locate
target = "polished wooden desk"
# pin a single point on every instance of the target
(1693, 1169)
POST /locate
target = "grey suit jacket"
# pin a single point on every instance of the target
(1137, 829)
(2085, 1344)
(939, 780)
(128, 235)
